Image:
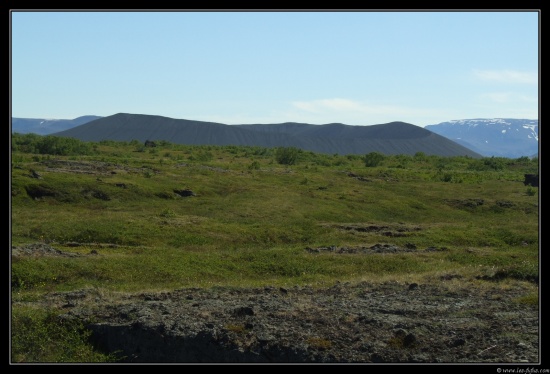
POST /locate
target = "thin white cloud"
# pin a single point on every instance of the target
(528, 99)
(505, 105)
(350, 112)
(354, 112)
(320, 106)
(339, 105)
(497, 97)
(507, 76)
(507, 97)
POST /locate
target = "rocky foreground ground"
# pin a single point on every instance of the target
(346, 323)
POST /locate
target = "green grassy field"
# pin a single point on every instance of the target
(249, 222)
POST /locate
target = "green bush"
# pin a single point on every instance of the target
(255, 165)
(531, 191)
(50, 145)
(286, 155)
(202, 156)
(373, 159)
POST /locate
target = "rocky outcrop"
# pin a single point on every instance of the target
(359, 323)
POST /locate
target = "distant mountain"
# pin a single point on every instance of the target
(499, 137)
(43, 126)
(390, 138)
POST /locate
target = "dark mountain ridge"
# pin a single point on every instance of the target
(392, 130)
(390, 138)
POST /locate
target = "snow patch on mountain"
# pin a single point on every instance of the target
(499, 137)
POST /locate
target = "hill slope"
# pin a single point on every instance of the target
(391, 138)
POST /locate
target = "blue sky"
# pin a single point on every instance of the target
(356, 68)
